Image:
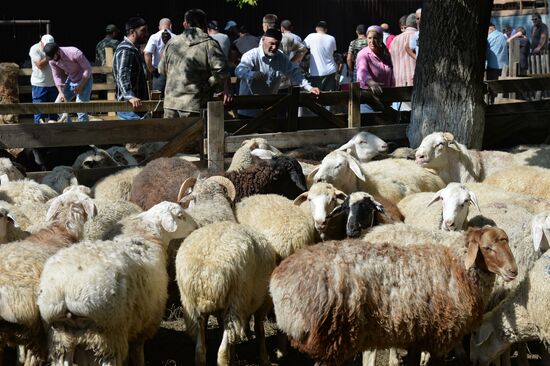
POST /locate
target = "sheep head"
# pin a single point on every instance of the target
(488, 249)
(486, 344)
(192, 188)
(359, 208)
(456, 201)
(169, 220)
(340, 169)
(434, 149)
(365, 146)
(73, 208)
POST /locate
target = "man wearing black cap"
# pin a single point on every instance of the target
(129, 69)
(111, 32)
(354, 47)
(261, 69)
(223, 39)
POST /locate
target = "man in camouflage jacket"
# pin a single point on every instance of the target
(110, 40)
(195, 68)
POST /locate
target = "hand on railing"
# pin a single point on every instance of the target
(135, 102)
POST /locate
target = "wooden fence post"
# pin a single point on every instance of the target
(111, 94)
(293, 109)
(354, 105)
(215, 137)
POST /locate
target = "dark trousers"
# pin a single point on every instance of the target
(44, 94)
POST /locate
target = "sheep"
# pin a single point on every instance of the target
(7, 167)
(529, 180)
(364, 146)
(20, 192)
(521, 317)
(451, 215)
(280, 175)
(122, 156)
(309, 153)
(392, 179)
(116, 186)
(208, 200)
(223, 269)
(340, 297)
(243, 157)
(21, 266)
(108, 297)
(96, 158)
(9, 228)
(60, 178)
(440, 152)
(159, 181)
(286, 226)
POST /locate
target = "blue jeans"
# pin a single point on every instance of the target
(44, 94)
(130, 115)
(84, 95)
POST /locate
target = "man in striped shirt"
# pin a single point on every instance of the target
(401, 55)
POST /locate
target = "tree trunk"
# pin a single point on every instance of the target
(448, 81)
(9, 92)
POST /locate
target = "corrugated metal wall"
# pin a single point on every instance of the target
(82, 24)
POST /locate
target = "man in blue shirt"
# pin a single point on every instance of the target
(261, 70)
(497, 52)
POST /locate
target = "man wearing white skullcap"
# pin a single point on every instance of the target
(43, 85)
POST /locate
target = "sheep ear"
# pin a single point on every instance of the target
(378, 206)
(311, 175)
(436, 197)
(90, 208)
(53, 210)
(244, 142)
(346, 146)
(263, 154)
(340, 195)
(11, 216)
(189, 183)
(474, 236)
(356, 168)
(473, 199)
(538, 231)
(301, 198)
(335, 211)
(484, 332)
(4, 179)
(168, 223)
(449, 137)
(73, 181)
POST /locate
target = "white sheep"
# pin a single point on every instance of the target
(60, 178)
(529, 180)
(337, 298)
(450, 215)
(453, 162)
(223, 269)
(21, 264)
(364, 146)
(116, 186)
(19, 192)
(521, 317)
(7, 168)
(286, 226)
(108, 297)
(392, 179)
(121, 155)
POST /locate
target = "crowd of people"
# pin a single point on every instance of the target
(188, 69)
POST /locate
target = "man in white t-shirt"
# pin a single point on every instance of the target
(43, 85)
(214, 32)
(322, 67)
(151, 54)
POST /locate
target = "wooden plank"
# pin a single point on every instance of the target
(354, 105)
(322, 112)
(27, 89)
(257, 121)
(285, 140)
(215, 137)
(390, 94)
(520, 84)
(95, 70)
(541, 106)
(73, 107)
(292, 117)
(85, 133)
(187, 136)
(111, 94)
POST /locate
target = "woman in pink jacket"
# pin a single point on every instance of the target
(374, 66)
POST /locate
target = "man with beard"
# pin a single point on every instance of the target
(129, 68)
(261, 70)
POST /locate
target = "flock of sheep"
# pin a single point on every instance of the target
(349, 254)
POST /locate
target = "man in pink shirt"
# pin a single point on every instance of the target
(72, 62)
(403, 63)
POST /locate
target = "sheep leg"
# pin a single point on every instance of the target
(282, 345)
(369, 357)
(200, 346)
(136, 354)
(224, 352)
(425, 358)
(260, 336)
(393, 359)
(21, 355)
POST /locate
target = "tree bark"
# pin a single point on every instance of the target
(9, 92)
(448, 82)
